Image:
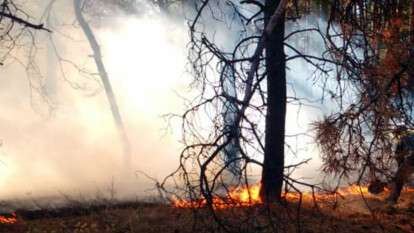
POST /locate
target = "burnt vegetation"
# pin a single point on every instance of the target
(374, 90)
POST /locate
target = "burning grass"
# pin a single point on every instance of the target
(249, 196)
(8, 219)
(151, 218)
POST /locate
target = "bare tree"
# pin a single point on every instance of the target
(255, 66)
(97, 55)
(371, 43)
(15, 23)
(274, 155)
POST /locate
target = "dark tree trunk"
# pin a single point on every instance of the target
(412, 24)
(273, 164)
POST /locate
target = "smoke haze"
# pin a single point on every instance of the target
(56, 127)
(57, 130)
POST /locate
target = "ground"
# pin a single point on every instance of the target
(349, 215)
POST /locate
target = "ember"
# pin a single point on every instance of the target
(8, 220)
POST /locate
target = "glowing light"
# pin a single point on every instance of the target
(146, 64)
(8, 220)
(247, 197)
(236, 197)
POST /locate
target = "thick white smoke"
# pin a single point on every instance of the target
(66, 142)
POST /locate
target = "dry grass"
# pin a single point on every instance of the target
(350, 216)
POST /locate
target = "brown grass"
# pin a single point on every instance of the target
(151, 218)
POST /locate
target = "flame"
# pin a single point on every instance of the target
(354, 190)
(236, 197)
(8, 220)
(250, 196)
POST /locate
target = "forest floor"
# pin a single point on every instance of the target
(350, 215)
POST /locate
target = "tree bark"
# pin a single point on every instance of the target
(105, 79)
(273, 164)
(230, 111)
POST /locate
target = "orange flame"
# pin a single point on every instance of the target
(8, 220)
(236, 197)
(245, 197)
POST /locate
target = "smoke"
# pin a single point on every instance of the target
(56, 128)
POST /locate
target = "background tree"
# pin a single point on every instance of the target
(105, 79)
(15, 23)
(372, 47)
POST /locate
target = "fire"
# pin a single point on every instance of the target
(354, 190)
(236, 197)
(8, 220)
(250, 196)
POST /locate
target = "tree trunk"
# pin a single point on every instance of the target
(230, 111)
(105, 79)
(273, 164)
(412, 24)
